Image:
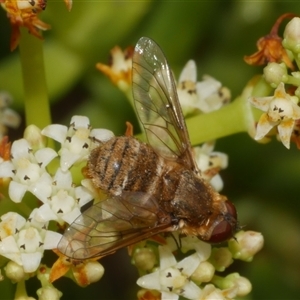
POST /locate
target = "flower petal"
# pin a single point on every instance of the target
(63, 180)
(31, 261)
(44, 156)
(285, 129)
(45, 214)
(262, 103)
(191, 290)
(71, 216)
(150, 281)
(189, 72)
(42, 188)
(169, 296)
(263, 127)
(16, 191)
(101, 134)
(51, 239)
(166, 257)
(80, 121)
(10, 249)
(67, 159)
(189, 264)
(20, 149)
(56, 132)
(6, 169)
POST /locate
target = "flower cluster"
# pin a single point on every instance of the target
(281, 111)
(23, 241)
(196, 276)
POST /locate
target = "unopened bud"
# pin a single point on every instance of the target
(275, 73)
(49, 293)
(291, 36)
(203, 273)
(221, 258)
(14, 271)
(33, 135)
(246, 245)
(144, 259)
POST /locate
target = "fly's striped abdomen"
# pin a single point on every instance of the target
(124, 163)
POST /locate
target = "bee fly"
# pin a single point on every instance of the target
(152, 187)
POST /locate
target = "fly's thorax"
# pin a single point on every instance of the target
(124, 163)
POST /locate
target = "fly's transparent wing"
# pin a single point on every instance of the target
(157, 104)
(114, 223)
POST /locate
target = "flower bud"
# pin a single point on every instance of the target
(33, 135)
(14, 271)
(246, 245)
(203, 273)
(275, 73)
(144, 259)
(49, 293)
(94, 271)
(221, 258)
(244, 286)
(291, 35)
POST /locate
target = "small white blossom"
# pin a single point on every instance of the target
(210, 163)
(279, 110)
(61, 199)
(25, 168)
(207, 95)
(25, 241)
(76, 141)
(172, 277)
(212, 96)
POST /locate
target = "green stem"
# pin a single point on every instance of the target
(21, 290)
(223, 122)
(37, 108)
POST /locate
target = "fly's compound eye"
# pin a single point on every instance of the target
(227, 227)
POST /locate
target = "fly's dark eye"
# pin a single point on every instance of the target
(226, 228)
(231, 209)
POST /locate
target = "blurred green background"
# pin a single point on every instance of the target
(262, 180)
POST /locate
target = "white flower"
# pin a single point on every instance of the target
(206, 95)
(172, 277)
(212, 96)
(24, 241)
(61, 199)
(279, 110)
(25, 168)
(76, 141)
(210, 163)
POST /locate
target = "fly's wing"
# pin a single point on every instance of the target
(157, 105)
(114, 223)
